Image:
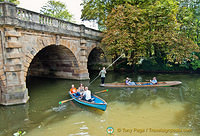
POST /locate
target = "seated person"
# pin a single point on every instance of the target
(73, 89)
(81, 88)
(154, 81)
(78, 93)
(128, 82)
(87, 95)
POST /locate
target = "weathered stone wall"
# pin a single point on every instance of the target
(15, 88)
(54, 61)
(2, 76)
(66, 51)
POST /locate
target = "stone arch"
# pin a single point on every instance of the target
(55, 61)
(92, 47)
(96, 57)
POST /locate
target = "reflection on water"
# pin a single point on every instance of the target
(141, 111)
(155, 114)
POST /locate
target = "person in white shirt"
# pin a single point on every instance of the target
(87, 95)
(103, 75)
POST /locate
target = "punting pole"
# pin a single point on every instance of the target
(107, 68)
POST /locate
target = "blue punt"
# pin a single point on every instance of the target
(97, 102)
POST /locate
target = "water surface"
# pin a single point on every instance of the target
(138, 112)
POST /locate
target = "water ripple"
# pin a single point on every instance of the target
(59, 108)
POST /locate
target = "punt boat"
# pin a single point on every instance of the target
(140, 84)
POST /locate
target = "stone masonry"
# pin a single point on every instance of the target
(26, 37)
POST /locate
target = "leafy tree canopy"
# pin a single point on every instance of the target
(189, 16)
(56, 9)
(163, 29)
(99, 9)
(151, 31)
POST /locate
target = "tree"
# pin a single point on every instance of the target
(189, 18)
(125, 26)
(145, 29)
(56, 9)
(150, 31)
(12, 1)
(99, 10)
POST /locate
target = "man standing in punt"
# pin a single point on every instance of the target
(103, 75)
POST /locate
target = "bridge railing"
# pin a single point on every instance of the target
(13, 15)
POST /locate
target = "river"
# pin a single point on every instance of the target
(172, 111)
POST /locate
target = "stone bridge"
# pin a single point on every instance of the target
(38, 45)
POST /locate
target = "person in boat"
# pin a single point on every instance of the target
(87, 95)
(80, 90)
(73, 90)
(81, 87)
(102, 73)
(128, 82)
(152, 82)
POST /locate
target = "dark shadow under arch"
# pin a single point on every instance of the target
(96, 59)
(54, 61)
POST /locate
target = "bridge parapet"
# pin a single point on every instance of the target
(10, 14)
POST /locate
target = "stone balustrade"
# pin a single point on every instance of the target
(12, 15)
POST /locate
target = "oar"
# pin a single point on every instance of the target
(102, 91)
(61, 102)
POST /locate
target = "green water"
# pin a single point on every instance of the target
(140, 111)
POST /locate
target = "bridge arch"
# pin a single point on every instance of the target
(25, 34)
(96, 58)
(55, 61)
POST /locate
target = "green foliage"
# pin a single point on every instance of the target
(99, 10)
(189, 19)
(151, 65)
(195, 64)
(125, 26)
(167, 30)
(56, 9)
(12, 1)
(150, 31)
